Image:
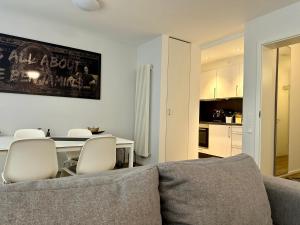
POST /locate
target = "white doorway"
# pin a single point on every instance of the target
(280, 105)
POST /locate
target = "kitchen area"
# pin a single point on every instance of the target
(221, 99)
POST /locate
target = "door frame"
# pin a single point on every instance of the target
(258, 121)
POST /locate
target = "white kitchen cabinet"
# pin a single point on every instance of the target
(208, 84)
(224, 140)
(236, 151)
(237, 129)
(178, 88)
(236, 140)
(220, 140)
(224, 82)
(227, 78)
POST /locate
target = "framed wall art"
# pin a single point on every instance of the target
(39, 68)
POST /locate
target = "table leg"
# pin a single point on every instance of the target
(131, 155)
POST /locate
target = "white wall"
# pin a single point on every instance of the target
(222, 63)
(151, 53)
(277, 25)
(114, 112)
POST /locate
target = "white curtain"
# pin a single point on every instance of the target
(142, 110)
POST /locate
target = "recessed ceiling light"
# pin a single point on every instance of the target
(88, 5)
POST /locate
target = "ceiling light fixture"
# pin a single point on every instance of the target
(88, 5)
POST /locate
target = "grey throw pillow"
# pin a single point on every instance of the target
(122, 197)
(213, 192)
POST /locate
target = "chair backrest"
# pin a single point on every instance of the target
(29, 133)
(79, 133)
(97, 154)
(30, 159)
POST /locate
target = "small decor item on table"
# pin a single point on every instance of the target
(48, 133)
(96, 130)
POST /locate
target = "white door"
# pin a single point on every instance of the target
(220, 140)
(268, 84)
(208, 84)
(226, 81)
(294, 129)
(178, 100)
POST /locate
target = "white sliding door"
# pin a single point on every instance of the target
(268, 83)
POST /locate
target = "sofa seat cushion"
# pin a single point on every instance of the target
(213, 192)
(128, 196)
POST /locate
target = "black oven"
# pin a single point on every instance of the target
(203, 137)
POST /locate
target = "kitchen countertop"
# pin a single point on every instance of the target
(221, 123)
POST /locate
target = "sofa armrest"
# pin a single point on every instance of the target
(284, 197)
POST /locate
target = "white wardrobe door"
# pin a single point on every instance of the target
(178, 100)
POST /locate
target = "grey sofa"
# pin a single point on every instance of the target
(207, 191)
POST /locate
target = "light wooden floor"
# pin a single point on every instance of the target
(282, 165)
(294, 177)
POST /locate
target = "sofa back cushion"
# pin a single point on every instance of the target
(127, 196)
(213, 192)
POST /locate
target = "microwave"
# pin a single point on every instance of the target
(203, 137)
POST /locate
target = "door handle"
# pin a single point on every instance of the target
(169, 112)
(214, 92)
(236, 90)
(229, 132)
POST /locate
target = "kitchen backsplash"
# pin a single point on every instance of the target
(228, 106)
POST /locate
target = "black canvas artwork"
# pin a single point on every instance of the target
(39, 68)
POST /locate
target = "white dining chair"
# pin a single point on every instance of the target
(79, 133)
(29, 133)
(98, 154)
(30, 159)
(72, 157)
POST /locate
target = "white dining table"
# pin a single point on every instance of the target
(73, 146)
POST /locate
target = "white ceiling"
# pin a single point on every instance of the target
(225, 50)
(136, 21)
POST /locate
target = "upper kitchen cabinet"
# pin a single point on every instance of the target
(222, 70)
(227, 81)
(222, 82)
(208, 84)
